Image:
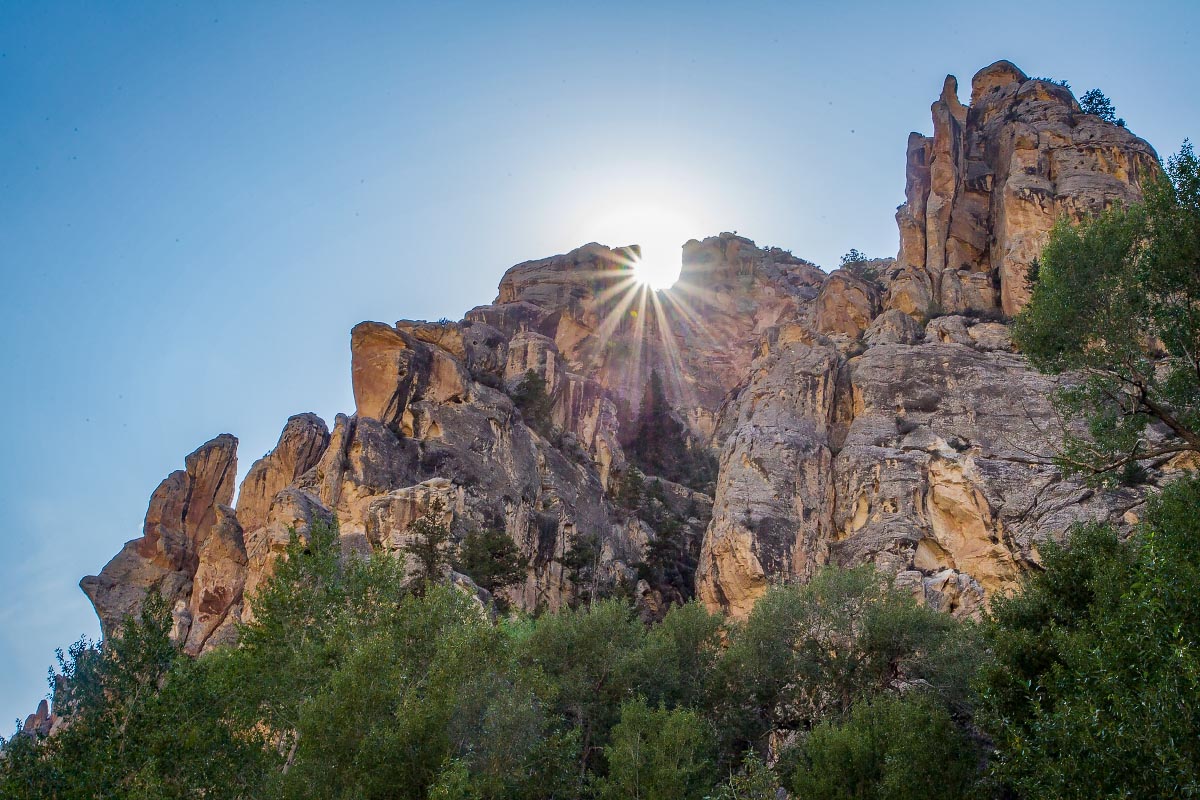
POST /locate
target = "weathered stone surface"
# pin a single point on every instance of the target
(894, 327)
(300, 447)
(700, 336)
(983, 192)
(40, 722)
(946, 467)
(774, 498)
(845, 304)
(183, 510)
(219, 579)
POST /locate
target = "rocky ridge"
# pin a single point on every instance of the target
(854, 424)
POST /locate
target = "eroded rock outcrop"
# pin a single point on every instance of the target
(300, 447)
(183, 511)
(849, 430)
(984, 191)
(700, 336)
(774, 500)
(946, 466)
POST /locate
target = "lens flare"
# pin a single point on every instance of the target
(657, 267)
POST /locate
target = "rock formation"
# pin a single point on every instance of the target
(984, 191)
(849, 430)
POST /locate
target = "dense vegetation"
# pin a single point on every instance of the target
(1116, 301)
(348, 684)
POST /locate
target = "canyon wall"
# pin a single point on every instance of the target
(854, 423)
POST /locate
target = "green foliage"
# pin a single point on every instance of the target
(859, 265)
(889, 748)
(630, 487)
(492, 560)
(535, 403)
(810, 652)
(854, 257)
(657, 754)
(430, 546)
(1117, 304)
(1097, 657)
(754, 781)
(581, 563)
(346, 684)
(593, 656)
(141, 723)
(1054, 81)
(1095, 102)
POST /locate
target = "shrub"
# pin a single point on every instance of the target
(1094, 102)
(889, 748)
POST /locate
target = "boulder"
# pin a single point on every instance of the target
(894, 327)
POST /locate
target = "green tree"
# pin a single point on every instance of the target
(630, 488)
(888, 748)
(1095, 687)
(581, 565)
(535, 403)
(430, 546)
(367, 690)
(306, 619)
(1117, 306)
(141, 722)
(431, 686)
(1095, 102)
(658, 443)
(680, 655)
(492, 560)
(657, 754)
(859, 265)
(809, 652)
(594, 658)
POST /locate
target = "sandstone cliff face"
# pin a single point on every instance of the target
(176, 538)
(984, 191)
(849, 432)
(928, 459)
(700, 337)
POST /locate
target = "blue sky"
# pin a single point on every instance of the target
(197, 201)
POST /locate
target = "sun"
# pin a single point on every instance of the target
(656, 268)
(659, 229)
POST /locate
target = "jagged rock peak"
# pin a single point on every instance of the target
(984, 191)
(183, 512)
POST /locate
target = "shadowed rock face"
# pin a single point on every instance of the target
(984, 191)
(848, 431)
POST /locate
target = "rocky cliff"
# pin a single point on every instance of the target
(983, 192)
(853, 423)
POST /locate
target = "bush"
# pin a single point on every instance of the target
(889, 748)
(658, 754)
(809, 653)
(1098, 657)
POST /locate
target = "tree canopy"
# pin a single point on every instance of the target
(1116, 306)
